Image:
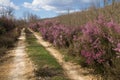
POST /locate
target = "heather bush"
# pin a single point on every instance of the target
(8, 34)
(9, 38)
(6, 24)
(97, 42)
(6, 41)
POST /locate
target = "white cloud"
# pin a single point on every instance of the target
(39, 4)
(8, 3)
(87, 1)
(55, 5)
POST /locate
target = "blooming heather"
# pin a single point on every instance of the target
(97, 41)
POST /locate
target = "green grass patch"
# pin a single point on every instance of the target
(47, 66)
(75, 59)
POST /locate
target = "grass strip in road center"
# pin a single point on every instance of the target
(46, 65)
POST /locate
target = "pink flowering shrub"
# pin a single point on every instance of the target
(56, 33)
(97, 42)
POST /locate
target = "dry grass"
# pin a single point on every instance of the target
(80, 18)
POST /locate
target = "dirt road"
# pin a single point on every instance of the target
(73, 71)
(16, 64)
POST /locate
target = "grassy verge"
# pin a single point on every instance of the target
(70, 58)
(47, 66)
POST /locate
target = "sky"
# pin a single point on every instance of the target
(45, 8)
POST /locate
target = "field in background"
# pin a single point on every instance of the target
(82, 17)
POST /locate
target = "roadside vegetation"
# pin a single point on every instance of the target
(10, 29)
(9, 33)
(46, 65)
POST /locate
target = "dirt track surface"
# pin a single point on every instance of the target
(73, 71)
(16, 64)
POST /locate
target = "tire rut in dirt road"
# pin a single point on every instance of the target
(73, 71)
(19, 67)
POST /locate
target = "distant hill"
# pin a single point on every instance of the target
(81, 17)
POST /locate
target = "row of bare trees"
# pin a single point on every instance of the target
(103, 2)
(30, 17)
(106, 2)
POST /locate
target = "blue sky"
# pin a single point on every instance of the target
(45, 8)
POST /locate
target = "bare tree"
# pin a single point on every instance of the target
(2, 10)
(33, 18)
(105, 2)
(25, 16)
(10, 11)
(6, 11)
(29, 17)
